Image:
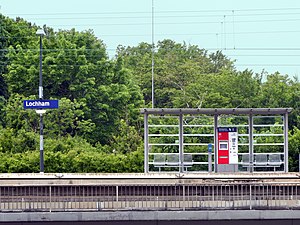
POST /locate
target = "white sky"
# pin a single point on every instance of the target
(259, 34)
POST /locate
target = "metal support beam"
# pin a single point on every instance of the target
(215, 143)
(286, 143)
(251, 142)
(209, 160)
(146, 144)
(152, 57)
(217, 111)
(181, 143)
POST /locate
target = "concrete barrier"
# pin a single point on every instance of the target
(232, 215)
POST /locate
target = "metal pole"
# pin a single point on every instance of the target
(181, 142)
(216, 143)
(183, 196)
(209, 162)
(250, 197)
(50, 199)
(209, 159)
(117, 193)
(41, 115)
(152, 55)
(286, 144)
(251, 142)
(146, 144)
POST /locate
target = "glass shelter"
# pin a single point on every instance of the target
(215, 140)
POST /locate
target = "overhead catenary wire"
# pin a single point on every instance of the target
(237, 64)
(66, 16)
(223, 32)
(189, 17)
(206, 49)
(157, 11)
(164, 23)
(148, 17)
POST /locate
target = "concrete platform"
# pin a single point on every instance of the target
(142, 178)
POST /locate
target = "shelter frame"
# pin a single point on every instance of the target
(215, 112)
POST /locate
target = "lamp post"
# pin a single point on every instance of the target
(41, 33)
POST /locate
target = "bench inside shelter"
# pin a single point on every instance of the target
(263, 160)
(162, 160)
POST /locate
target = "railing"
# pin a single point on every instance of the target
(216, 196)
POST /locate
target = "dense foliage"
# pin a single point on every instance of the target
(97, 127)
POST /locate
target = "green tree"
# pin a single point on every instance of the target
(177, 68)
(68, 119)
(276, 91)
(76, 67)
(126, 140)
(118, 99)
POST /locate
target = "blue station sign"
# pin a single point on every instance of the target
(40, 104)
(227, 129)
